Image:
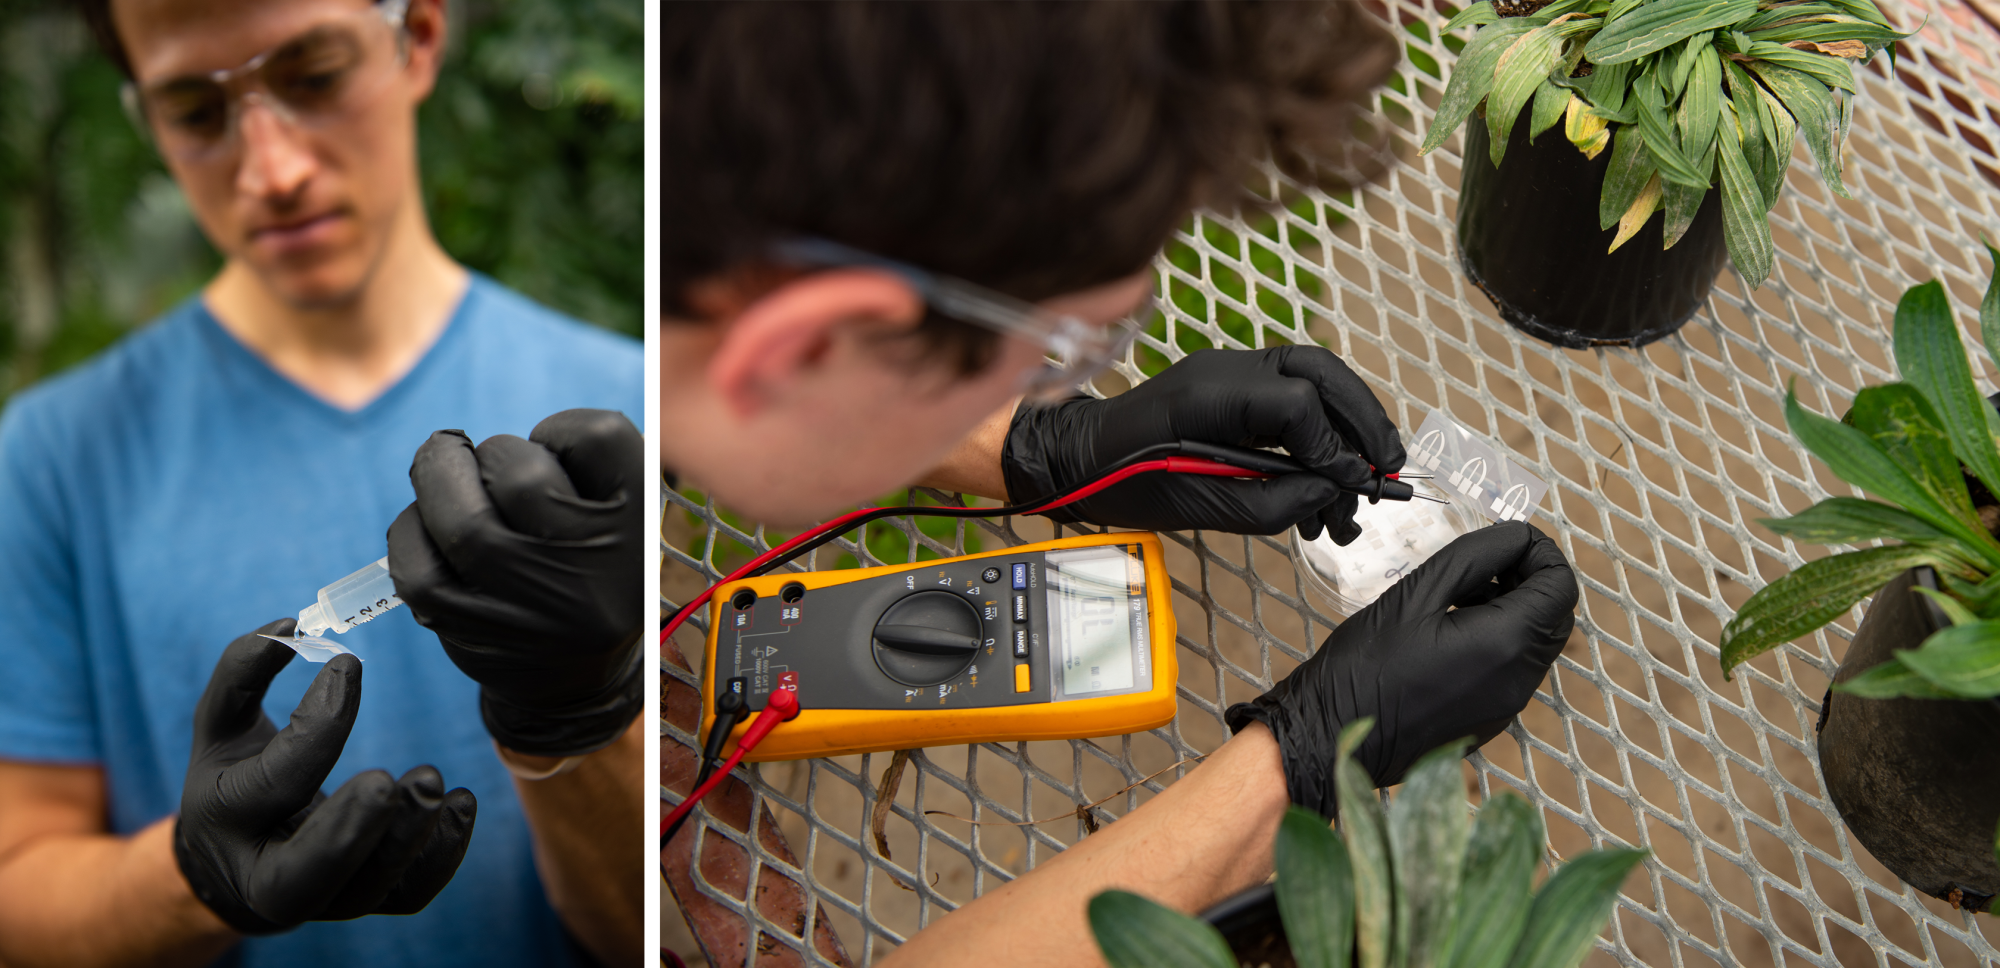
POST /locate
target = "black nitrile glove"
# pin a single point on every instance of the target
(263, 847)
(526, 558)
(1301, 397)
(1428, 673)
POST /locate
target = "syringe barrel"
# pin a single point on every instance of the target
(358, 598)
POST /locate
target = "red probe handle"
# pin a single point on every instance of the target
(780, 706)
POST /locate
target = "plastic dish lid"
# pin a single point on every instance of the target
(1396, 536)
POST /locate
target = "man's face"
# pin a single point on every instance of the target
(861, 422)
(304, 192)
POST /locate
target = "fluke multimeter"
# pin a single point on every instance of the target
(1058, 640)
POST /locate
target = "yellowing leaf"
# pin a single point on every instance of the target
(1836, 48)
(1635, 217)
(1588, 132)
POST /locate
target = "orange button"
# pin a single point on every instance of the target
(1021, 678)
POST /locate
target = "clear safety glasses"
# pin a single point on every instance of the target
(321, 76)
(1076, 350)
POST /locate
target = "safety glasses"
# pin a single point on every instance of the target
(321, 76)
(1076, 350)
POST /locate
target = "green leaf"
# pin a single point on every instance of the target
(1954, 609)
(1472, 79)
(1874, 35)
(1365, 828)
(1901, 421)
(1815, 594)
(1746, 228)
(1891, 680)
(1572, 907)
(1865, 9)
(1811, 104)
(1661, 24)
(1315, 891)
(1685, 60)
(1779, 131)
(1550, 101)
(1982, 598)
(1831, 71)
(1858, 458)
(1850, 520)
(1478, 15)
(1701, 109)
(1428, 828)
(1962, 660)
(1605, 87)
(1524, 66)
(1683, 203)
(1932, 357)
(1673, 165)
(1989, 308)
(1493, 901)
(1631, 168)
(1134, 932)
(1774, 15)
(1751, 116)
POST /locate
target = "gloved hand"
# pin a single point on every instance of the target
(258, 841)
(1301, 397)
(1427, 673)
(526, 558)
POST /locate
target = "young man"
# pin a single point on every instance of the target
(833, 171)
(216, 468)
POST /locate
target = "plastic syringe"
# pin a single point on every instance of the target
(351, 601)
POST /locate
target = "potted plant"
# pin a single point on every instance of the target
(1678, 121)
(1909, 732)
(1417, 885)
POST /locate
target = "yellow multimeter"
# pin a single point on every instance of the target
(1057, 640)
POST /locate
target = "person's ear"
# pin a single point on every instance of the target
(786, 333)
(424, 32)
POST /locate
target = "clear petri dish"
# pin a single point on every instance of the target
(1396, 536)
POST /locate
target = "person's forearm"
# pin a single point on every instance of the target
(973, 467)
(86, 900)
(589, 841)
(1205, 837)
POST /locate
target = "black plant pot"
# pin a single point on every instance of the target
(1916, 780)
(1528, 238)
(1249, 922)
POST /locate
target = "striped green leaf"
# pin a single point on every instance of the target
(1824, 32)
(1315, 891)
(1962, 661)
(1428, 828)
(1932, 358)
(1472, 79)
(1477, 15)
(1779, 131)
(1605, 87)
(1656, 26)
(1674, 166)
(1685, 59)
(1746, 229)
(1811, 104)
(1865, 9)
(1817, 593)
(1859, 459)
(1831, 71)
(1498, 886)
(1364, 826)
(1522, 67)
(1701, 107)
(1953, 608)
(1983, 597)
(1772, 16)
(1631, 168)
(1851, 520)
(1134, 932)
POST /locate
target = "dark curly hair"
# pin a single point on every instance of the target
(1035, 148)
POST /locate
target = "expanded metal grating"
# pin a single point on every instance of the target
(1660, 461)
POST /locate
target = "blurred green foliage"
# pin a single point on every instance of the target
(886, 542)
(531, 156)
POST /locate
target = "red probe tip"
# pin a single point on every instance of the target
(784, 702)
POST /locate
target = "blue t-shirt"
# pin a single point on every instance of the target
(177, 492)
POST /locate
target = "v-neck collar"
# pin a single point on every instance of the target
(242, 357)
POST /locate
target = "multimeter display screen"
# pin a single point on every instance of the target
(1097, 622)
